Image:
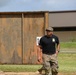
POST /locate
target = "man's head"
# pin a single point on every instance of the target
(49, 31)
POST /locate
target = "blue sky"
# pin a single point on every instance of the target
(37, 5)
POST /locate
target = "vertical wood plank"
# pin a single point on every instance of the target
(46, 20)
(33, 27)
(10, 39)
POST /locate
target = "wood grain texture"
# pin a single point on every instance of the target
(10, 39)
(18, 32)
(33, 27)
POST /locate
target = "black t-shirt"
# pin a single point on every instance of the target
(48, 44)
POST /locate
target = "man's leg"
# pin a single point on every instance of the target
(54, 69)
(47, 68)
(41, 69)
(54, 65)
(46, 65)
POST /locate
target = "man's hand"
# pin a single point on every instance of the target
(39, 59)
(57, 52)
(58, 49)
(39, 51)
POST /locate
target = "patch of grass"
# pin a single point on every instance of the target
(19, 68)
(67, 63)
(68, 45)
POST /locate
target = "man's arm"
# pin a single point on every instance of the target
(58, 49)
(39, 52)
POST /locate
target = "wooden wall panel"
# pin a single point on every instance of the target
(18, 32)
(10, 39)
(33, 26)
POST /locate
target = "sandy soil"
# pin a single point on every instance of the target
(28, 73)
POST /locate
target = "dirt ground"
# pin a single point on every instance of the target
(29, 73)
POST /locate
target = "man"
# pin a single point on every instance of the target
(50, 47)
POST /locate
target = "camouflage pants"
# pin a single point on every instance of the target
(50, 64)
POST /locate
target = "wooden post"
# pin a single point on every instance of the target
(46, 20)
(22, 23)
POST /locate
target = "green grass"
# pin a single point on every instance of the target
(68, 45)
(19, 68)
(67, 63)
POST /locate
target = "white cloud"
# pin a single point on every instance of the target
(4, 2)
(34, 5)
(25, 0)
(59, 1)
(50, 1)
